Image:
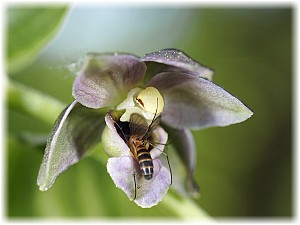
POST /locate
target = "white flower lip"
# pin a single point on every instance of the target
(121, 166)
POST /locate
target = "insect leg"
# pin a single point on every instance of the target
(134, 179)
(167, 157)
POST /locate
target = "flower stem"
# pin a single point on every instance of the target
(33, 103)
(184, 208)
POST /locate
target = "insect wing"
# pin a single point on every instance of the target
(152, 127)
(138, 125)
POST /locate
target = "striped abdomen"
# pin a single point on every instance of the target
(145, 162)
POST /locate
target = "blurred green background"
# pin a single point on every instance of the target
(244, 170)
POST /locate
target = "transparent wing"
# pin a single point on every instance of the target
(152, 126)
(138, 125)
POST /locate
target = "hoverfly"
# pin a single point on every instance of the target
(137, 134)
(139, 142)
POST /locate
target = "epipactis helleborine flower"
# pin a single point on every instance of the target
(109, 90)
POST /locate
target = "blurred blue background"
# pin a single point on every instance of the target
(244, 170)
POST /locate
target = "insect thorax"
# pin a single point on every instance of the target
(135, 144)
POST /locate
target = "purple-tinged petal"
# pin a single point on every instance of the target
(148, 192)
(122, 171)
(194, 102)
(75, 131)
(180, 61)
(152, 192)
(161, 138)
(105, 79)
(185, 146)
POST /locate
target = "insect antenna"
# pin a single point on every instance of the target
(158, 143)
(154, 119)
(172, 132)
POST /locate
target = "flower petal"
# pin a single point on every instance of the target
(113, 144)
(161, 138)
(185, 146)
(75, 131)
(148, 192)
(105, 79)
(180, 60)
(121, 171)
(195, 102)
(152, 191)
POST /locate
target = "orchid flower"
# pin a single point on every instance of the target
(109, 89)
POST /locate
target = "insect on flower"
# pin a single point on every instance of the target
(136, 90)
(138, 136)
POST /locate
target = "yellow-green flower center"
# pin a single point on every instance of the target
(146, 102)
(150, 100)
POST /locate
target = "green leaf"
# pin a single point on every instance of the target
(75, 131)
(29, 29)
(185, 208)
(33, 103)
(22, 163)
